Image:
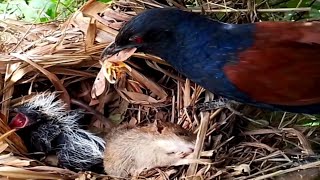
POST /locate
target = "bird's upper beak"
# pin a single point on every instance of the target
(113, 49)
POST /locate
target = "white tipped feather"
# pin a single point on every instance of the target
(54, 108)
(81, 151)
(45, 102)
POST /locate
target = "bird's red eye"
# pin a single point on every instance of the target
(137, 39)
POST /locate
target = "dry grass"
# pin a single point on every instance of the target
(65, 57)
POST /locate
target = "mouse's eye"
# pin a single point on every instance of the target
(136, 39)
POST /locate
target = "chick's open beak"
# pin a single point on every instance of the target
(19, 121)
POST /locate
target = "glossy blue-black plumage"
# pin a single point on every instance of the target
(189, 58)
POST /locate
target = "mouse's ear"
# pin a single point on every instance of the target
(157, 126)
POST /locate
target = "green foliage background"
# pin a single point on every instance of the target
(39, 10)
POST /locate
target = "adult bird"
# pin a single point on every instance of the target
(273, 65)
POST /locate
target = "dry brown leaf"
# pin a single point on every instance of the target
(99, 85)
(19, 73)
(116, 25)
(205, 117)
(187, 94)
(150, 57)
(71, 72)
(8, 91)
(91, 33)
(93, 7)
(26, 174)
(107, 30)
(53, 78)
(137, 98)
(52, 170)
(149, 84)
(3, 146)
(10, 160)
(81, 22)
(106, 35)
(5, 135)
(134, 86)
(120, 16)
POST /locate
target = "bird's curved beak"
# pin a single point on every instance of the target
(113, 49)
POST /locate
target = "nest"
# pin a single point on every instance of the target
(65, 57)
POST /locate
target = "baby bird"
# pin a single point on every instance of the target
(47, 126)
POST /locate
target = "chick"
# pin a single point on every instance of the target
(47, 127)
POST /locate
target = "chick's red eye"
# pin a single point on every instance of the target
(136, 39)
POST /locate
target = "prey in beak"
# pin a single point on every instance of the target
(112, 58)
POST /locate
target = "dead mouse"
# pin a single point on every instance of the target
(130, 150)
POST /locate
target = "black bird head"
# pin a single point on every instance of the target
(153, 31)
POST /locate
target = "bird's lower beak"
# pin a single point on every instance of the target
(113, 49)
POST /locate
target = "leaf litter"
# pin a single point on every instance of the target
(137, 88)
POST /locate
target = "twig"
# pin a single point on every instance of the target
(5, 135)
(205, 117)
(108, 123)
